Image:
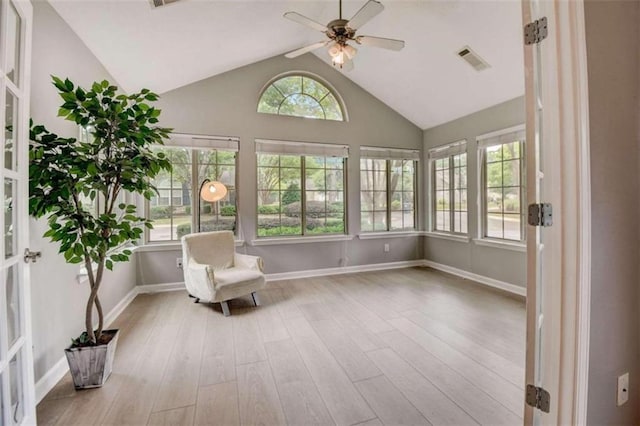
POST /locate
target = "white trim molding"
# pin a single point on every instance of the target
(501, 244)
(161, 288)
(447, 236)
(491, 282)
(300, 240)
(343, 270)
(391, 234)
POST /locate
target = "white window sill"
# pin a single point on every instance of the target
(300, 240)
(515, 246)
(170, 246)
(391, 234)
(445, 236)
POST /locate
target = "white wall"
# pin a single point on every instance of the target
(58, 299)
(225, 105)
(501, 264)
(613, 49)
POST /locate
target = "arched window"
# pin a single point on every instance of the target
(300, 96)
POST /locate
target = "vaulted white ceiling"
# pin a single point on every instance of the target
(174, 45)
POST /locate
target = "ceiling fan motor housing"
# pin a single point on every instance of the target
(339, 31)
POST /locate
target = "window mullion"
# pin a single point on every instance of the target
(388, 175)
(452, 197)
(303, 197)
(195, 198)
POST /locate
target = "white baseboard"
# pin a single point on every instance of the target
(121, 306)
(51, 378)
(159, 288)
(57, 372)
(343, 270)
(508, 287)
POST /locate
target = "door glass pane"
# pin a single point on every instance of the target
(13, 45)
(9, 133)
(10, 222)
(16, 413)
(13, 304)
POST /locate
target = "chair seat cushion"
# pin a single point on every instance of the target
(236, 282)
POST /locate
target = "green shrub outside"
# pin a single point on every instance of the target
(291, 194)
(315, 209)
(223, 224)
(228, 211)
(160, 212)
(269, 209)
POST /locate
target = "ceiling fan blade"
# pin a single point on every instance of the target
(296, 17)
(385, 43)
(306, 49)
(365, 14)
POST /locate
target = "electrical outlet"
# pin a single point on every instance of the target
(386, 248)
(179, 262)
(623, 389)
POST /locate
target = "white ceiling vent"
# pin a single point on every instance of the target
(473, 59)
(158, 3)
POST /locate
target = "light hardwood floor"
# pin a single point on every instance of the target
(409, 346)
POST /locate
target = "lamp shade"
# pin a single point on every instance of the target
(213, 191)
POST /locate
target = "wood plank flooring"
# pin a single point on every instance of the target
(408, 346)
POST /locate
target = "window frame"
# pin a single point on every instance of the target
(449, 152)
(501, 137)
(302, 150)
(388, 173)
(304, 74)
(181, 141)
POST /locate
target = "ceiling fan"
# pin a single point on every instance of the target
(341, 31)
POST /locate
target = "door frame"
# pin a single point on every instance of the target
(24, 9)
(567, 134)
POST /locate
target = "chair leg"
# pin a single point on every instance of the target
(225, 308)
(256, 300)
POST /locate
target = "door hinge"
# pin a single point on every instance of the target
(538, 398)
(540, 214)
(536, 31)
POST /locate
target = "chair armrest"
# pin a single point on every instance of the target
(200, 277)
(249, 262)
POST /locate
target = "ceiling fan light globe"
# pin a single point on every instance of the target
(334, 50)
(350, 51)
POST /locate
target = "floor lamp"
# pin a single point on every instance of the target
(212, 192)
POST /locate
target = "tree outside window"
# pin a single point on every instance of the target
(300, 96)
(387, 197)
(449, 193)
(504, 191)
(289, 204)
(172, 209)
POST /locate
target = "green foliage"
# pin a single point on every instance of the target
(291, 194)
(300, 96)
(223, 224)
(118, 157)
(269, 209)
(314, 209)
(161, 212)
(228, 211)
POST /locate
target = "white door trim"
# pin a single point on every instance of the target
(567, 136)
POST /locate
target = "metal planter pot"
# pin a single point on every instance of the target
(91, 366)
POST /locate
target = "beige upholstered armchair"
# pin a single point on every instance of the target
(214, 272)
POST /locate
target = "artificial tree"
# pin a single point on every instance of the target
(68, 176)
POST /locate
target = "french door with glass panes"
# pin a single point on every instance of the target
(17, 399)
